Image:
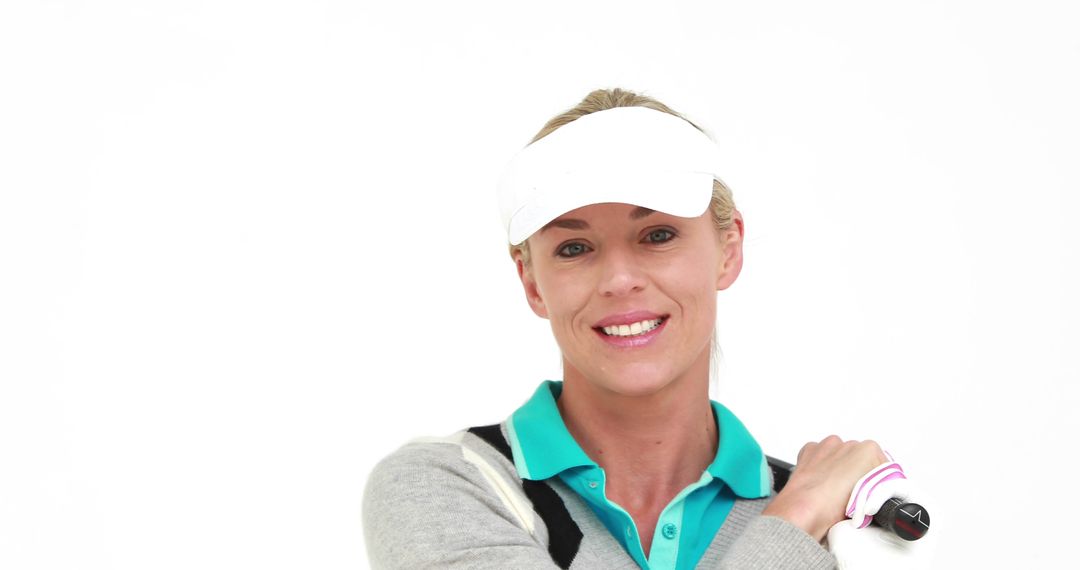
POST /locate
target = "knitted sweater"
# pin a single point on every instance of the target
(458, 502)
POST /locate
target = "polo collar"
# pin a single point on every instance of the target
(739, 463)
(543, 447)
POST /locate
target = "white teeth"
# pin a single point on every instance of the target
(632, 329)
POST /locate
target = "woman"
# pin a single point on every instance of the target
(622, 233)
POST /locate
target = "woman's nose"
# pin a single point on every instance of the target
(621, 274)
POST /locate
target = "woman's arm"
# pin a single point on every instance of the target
(425, 506)
(789, 531)
(775, 543)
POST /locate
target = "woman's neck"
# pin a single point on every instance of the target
(654, 444)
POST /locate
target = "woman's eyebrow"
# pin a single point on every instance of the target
(576, 224)
(567, 223)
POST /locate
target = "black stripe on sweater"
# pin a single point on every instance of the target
(493, 435)
(564, 536)
(781, 470)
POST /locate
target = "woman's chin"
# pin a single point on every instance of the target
(627, 379)
(637, 383)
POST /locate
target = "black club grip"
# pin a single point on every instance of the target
(909, 521)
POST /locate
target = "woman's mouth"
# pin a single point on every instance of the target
(632, 329)
(632, 335)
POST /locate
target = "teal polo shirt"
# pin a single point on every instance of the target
(543, 448)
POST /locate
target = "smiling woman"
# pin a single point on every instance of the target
(622, 234)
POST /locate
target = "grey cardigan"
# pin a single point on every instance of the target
(458, 502)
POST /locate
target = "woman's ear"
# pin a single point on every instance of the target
(532, 293)
(731, 258)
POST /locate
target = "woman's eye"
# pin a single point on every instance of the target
(572, 250)
(660, 236)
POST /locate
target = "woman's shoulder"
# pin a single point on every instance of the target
(462, 458)
(435, 498)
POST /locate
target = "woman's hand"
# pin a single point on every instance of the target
(817, 493)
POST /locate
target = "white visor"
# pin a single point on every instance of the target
(633, 155)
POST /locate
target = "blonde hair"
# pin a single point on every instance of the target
(722, 205)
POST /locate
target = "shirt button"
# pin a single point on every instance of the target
(670, 530)
(593, 484)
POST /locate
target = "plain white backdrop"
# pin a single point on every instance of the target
(249, 248)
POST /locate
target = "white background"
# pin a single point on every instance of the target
(249, 248)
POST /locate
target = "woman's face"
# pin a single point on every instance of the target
(631, 292)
